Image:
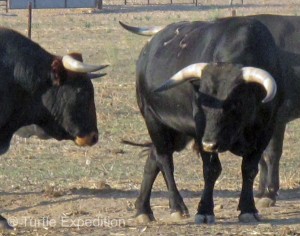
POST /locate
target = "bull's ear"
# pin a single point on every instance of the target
(76, 56)
(196, 84)
(58, 71)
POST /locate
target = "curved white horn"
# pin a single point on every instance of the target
(253, 74)
(72, 64)
(145, 31)
(186, 74)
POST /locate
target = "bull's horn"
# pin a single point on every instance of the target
(186, 74)
(96, 76)
(72, 64)
(145, 31)
(252, 74)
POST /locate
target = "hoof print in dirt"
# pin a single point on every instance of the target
(145, 219)
(264, 202)
(249, 218)
(179, 216)
(204, 219)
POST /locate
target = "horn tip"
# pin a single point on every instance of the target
(167, 85)
(158, 90)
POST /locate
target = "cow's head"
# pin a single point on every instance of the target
(228, 98)
(69, 102)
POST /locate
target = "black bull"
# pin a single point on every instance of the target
(54, 92)
(286, 33)
(222, 107)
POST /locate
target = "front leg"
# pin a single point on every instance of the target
(247, 207)
(211, 171)
(165, 142)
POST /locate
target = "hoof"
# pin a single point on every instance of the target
(204, 219)
(249, 218)
(144, 218)
(265, 202)
(179, 216)
(4, 225)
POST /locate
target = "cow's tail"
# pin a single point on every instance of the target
(147, 146)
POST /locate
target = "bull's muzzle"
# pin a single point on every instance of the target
(209, 146)
(88, 140)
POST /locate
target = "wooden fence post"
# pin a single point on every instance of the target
(29, 19)
(233, 12)
(99, 4)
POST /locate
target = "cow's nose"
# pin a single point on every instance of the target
(209, 146)
(88, 140)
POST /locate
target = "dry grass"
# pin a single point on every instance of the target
(54, 179)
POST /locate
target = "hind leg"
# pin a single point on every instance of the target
(269, 169)
(144, 212)
(165, 142)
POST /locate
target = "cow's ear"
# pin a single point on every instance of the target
(196, 84)
(77, 56)
(58, 72)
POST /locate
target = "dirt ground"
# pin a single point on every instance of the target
(55, 188)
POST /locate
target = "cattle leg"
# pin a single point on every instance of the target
(154, 164)
(165, 142)
(269, 169)
(4, 225)
(144, 213)
(211, 171)
(177, 206)
(247, 207)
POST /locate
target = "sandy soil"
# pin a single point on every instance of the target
(56, 188)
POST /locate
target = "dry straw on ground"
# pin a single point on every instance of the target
(49, 180)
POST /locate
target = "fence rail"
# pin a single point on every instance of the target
(154, 2)
(23, 4)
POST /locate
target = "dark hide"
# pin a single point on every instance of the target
(286, 33)
(35, 88)
(219, 107)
